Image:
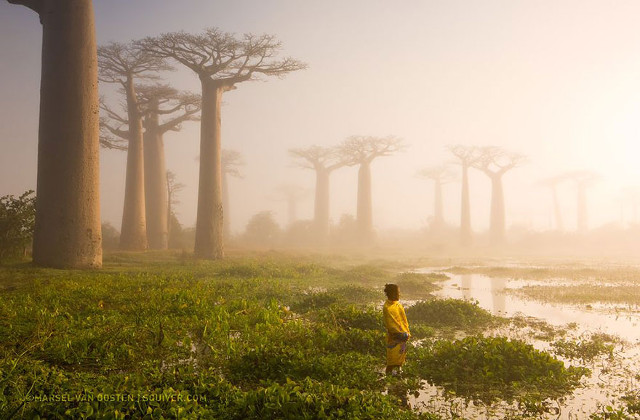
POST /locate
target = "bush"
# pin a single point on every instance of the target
(17, 221)
(453, 313)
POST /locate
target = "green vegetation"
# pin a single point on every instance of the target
(159, 335)
(17, 221)
(586, 350)
(487, 369)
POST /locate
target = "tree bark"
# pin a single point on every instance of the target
(209, 223)
(364, 212)
(155, 184)
(497, 218)
(321, 204)
(133, 234)
(67, 228)
(465, 210)
(226, 222)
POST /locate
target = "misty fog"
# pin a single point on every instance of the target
(553, 82)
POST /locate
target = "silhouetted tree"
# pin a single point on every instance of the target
(466, 156)
(231, 161)
(124, 64)
(221, 61)
(362, 150)
(495, 162)
(552, 184)
(173, 225)
(323, 160)
(292, 194)
(67, 228)
(440, 176)
(175, 108)
(583, 180)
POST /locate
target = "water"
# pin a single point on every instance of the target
(610, 379)
(493, 294)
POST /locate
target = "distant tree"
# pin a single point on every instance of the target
(124, 64)
(165, 109)
(495, 162)
(440, 176)
(174, 228)
(322, 160)
(67, 230)
(17, 222)
(231, 162)
(466, 157)
(361, 151)
(221, 61)
(292, 194)
(262, 229)
(583, 180)
(552, 184)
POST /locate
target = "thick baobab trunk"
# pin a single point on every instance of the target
(133, 235)
(582, 209)
(497, 219)
(438, 214)
(364, 212)
(556, 210)
(465, 209)
(67, 229)
(209, 223)
(321, 205)
(155, 185)
(226, 222)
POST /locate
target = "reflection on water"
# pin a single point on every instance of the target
(493, 294)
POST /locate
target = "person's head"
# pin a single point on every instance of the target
(392, 292)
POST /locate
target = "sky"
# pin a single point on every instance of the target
(555, 81)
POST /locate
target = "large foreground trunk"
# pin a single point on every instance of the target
(67, 230)
(209, 223)
(155, 185)
(497, 219)
(364, 212)
(321, 205)
(465, 210)
(226, 221)
(133, 235)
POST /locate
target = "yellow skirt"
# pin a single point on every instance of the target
(396, 353)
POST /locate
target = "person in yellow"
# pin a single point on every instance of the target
(397, 327)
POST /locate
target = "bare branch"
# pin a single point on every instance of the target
(364, 149)
(222, 57)
(119, 63)
(442, 174)
(35, 5)
(495, 161)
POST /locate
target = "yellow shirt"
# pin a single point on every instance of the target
(395, 319)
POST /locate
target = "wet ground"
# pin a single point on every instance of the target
(611, 377)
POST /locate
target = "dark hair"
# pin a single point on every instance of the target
(391, 290)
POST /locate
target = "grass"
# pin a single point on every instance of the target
(254, 336)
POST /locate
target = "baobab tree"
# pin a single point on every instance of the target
(552, 184)
(231, 161)
(292, 195)
(466, 157)
(495, 162)
(173, 188)
(583, 180)
(67, 225)
(175, 108)
(323, 160)
(362, 150)
(440, 176)
(124, 64)
(221, 61)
